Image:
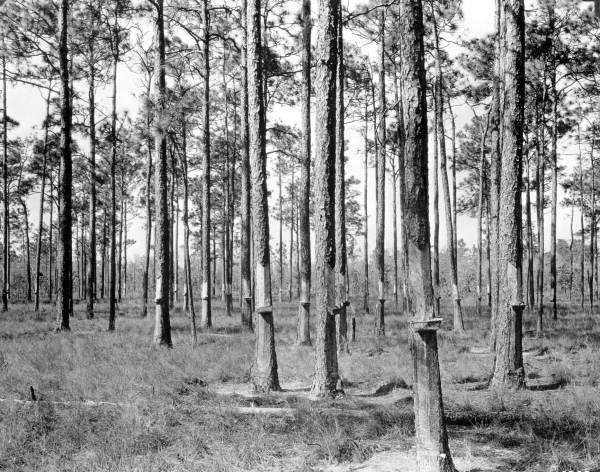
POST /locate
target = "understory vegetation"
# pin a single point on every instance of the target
(166, 409)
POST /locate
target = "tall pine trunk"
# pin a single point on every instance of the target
(303, 328)
(341, 265)
(365, 211)
(91, 274)
(436, 212)
(582, 223)
(554, 133)
(245, 239)
(6, 204)
(481, 196)
(433, 453)
(264, 370)
(64, 262)
(494, 188)
(325, 380)
(508, 368)
(592, 230)
(207, 283)
(541, 177)
(530, 248)
(450, 237)
(162, 324)
(380, 188)
(189, 286)
(113, 185)
(148, 239)
(38, 254)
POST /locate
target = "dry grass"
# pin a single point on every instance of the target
(173, 420)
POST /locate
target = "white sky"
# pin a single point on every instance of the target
(26, 105)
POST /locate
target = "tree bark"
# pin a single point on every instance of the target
(326, 375)
(401, 192)
(380, 224)
(582, 223)
(162, 323)
(530, 248)
(38, 254)
(554, 131)
(592, 229)
(291, 252)
(458, 325)
(27, 249)
(205, 293)
(365, 210)
(146, 272)
(508, 368)
(51, 241)
(495, 169)
(227, 201)
(189, 286)
(91, 275)
(113, 184)
(341, 264)
(433, 453)
(541, 177)
(482, 166)
(303, 328)
(245, 239)
(280, 202)
(64, 283)
(436, 210)
(264, 370)
(6, 204)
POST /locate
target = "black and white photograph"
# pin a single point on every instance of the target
(299, 235)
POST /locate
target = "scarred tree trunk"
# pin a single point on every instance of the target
(91, 274)
(113, 186)
(27, 249)
(189, 286)
(280, 202)
(554, 132)
(65, 290)
(458, 318)
(303, 329)
(582, 223)
(365, 211)
(436, 212)
(482, 163)
(6, 213)
(291, 251)
(264, 369)
(205, 293)
(592, 230)
(401, 183)
(380, 224)
(325, 380)
(340, 193)
(530, 248)
(541, 177)
(494, 188)
(227, 201)
(571, 255)
(245, 239)
(162, 323)
(103, 263)
(433, 454)
(454, 192)
(508, 368)
(38, 254)
(146, 273)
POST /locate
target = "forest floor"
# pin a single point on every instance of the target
(173, 409)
